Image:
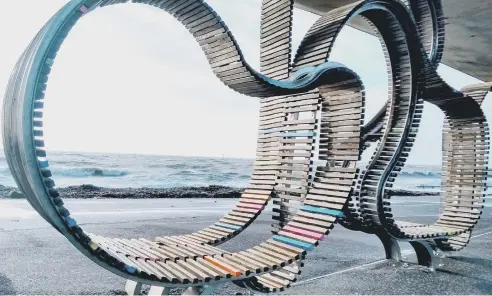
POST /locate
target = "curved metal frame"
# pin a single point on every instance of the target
(308, 200)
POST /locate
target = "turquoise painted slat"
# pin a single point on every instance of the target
(325, 211)
(293, 242)
(303, 134)
(230, 226)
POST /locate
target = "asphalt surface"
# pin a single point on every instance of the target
(35, 259)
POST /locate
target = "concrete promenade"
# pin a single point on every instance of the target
(35, 259)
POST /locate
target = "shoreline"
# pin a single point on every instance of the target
(88, 191)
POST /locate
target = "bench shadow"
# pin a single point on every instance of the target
(482, 284)
(6, 286)
(475, 261)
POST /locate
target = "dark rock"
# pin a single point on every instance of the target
(89, 187)
(90, 191)
(213, 191)
(402, 192)
(16, 195)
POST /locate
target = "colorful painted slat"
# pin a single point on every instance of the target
(293, 242)
(324, 211)
(229, 226)
(269, 131)
(44, 164)
(303, 232)
(84, 9)
(222, 266)
(251, 206)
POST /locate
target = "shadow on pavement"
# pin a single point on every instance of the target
(6, 287)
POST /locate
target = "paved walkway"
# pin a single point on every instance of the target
(38, 260)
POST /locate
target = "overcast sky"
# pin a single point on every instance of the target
(130, 79)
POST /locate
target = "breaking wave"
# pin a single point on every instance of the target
(415, 174)
(89, 172)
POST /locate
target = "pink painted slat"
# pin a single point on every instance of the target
(84, 9)
(302, 232)
(251, 206)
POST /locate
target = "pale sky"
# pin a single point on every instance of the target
(130, 79)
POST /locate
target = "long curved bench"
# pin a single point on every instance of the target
(430, 25)
(180, 260)
(430, 20)
(284, 166)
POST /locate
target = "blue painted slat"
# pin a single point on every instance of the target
(44, 164)
(301, 134)
(293, 242)
(230, 226)
(324, 211)
(71, 222)
(130, 269)
(269, 131)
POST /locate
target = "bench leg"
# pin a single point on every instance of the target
(158, 291)
(202, 290)
(133, 288)
(391, 246)
(425, 254)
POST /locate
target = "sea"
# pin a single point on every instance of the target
(159, 171)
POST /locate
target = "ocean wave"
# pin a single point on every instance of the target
(173, 165)
(89, 172)
(421, 174)
(185, 173)
(428, 186)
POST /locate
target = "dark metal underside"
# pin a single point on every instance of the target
(468, 34)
